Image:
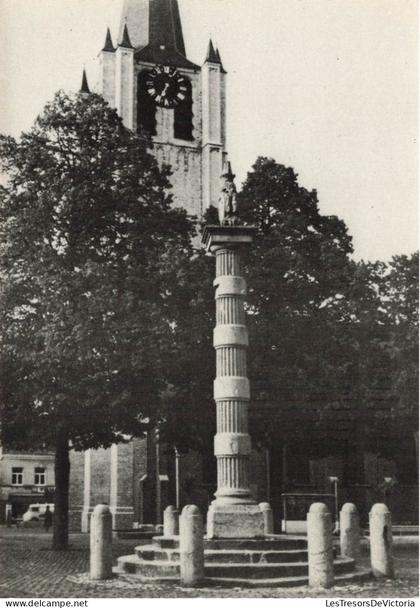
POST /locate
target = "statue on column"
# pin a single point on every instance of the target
(227, 206)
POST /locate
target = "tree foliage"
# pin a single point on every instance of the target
(328, 335)
(299, 271)
(91, 254)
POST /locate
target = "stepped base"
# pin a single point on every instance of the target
(271, 562)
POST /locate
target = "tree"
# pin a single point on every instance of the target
(391, 320)
(400, 301)
(321, 331)
(299, 271)
(91, 253)
(190, 419)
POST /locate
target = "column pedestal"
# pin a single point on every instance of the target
(234, 521)
(234, 513)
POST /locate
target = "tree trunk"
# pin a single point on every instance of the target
(61, 500)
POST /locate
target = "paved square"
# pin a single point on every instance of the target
(29, 568)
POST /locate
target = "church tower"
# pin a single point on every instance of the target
(148, 79)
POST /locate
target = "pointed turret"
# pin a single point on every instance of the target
(108, 57)
(227, 171)
(211, 53)
(85, 87)
(219, 60)
(126, 42)
(108, 46)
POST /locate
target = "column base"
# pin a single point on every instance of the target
(226, 520)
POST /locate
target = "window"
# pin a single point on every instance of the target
(183, 116)
(146, 109)
(17, 476)
(39, 476)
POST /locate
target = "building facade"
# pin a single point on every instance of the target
(25, 478)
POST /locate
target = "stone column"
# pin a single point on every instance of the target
(320, 546)
(349, 531)
(380, 532)
(234, 513)
(191, 546)
(101, 543)
(170, 521)
(268, 517)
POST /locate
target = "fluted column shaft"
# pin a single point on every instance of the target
(234, 513)
(231, 387)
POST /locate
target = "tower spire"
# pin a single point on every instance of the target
(227, 171)
(126, 42)
(211, 53)
(85, 87)
(153, 22)
(108, 46)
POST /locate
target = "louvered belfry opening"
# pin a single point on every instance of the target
(183, 116)
(146, 109)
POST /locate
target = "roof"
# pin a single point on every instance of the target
(164, 56)
(212, 54)
(85, 87)
(165, 25)
(108, 46)
(126, 42)
(156, 32)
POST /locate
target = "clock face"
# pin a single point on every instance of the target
(167, 87)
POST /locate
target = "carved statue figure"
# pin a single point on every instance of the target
(227, 206)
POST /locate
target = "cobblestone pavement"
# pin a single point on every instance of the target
(29, 568)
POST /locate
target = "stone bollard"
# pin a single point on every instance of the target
(268, 517)
(380, 530)
(320, 546)
(349, 531)
(170, 521)
(101, 543)
(191, 546)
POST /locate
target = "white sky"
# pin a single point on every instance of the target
(328, 87)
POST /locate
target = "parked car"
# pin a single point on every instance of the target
(36, 511)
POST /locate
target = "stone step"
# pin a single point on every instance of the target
(279, 543)
(399, 530)
(166, 542)
(267, 571)
(292, 581)
(138, 578)
(131, 564)
(356, 576)
(151, 553)
(405, 530)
